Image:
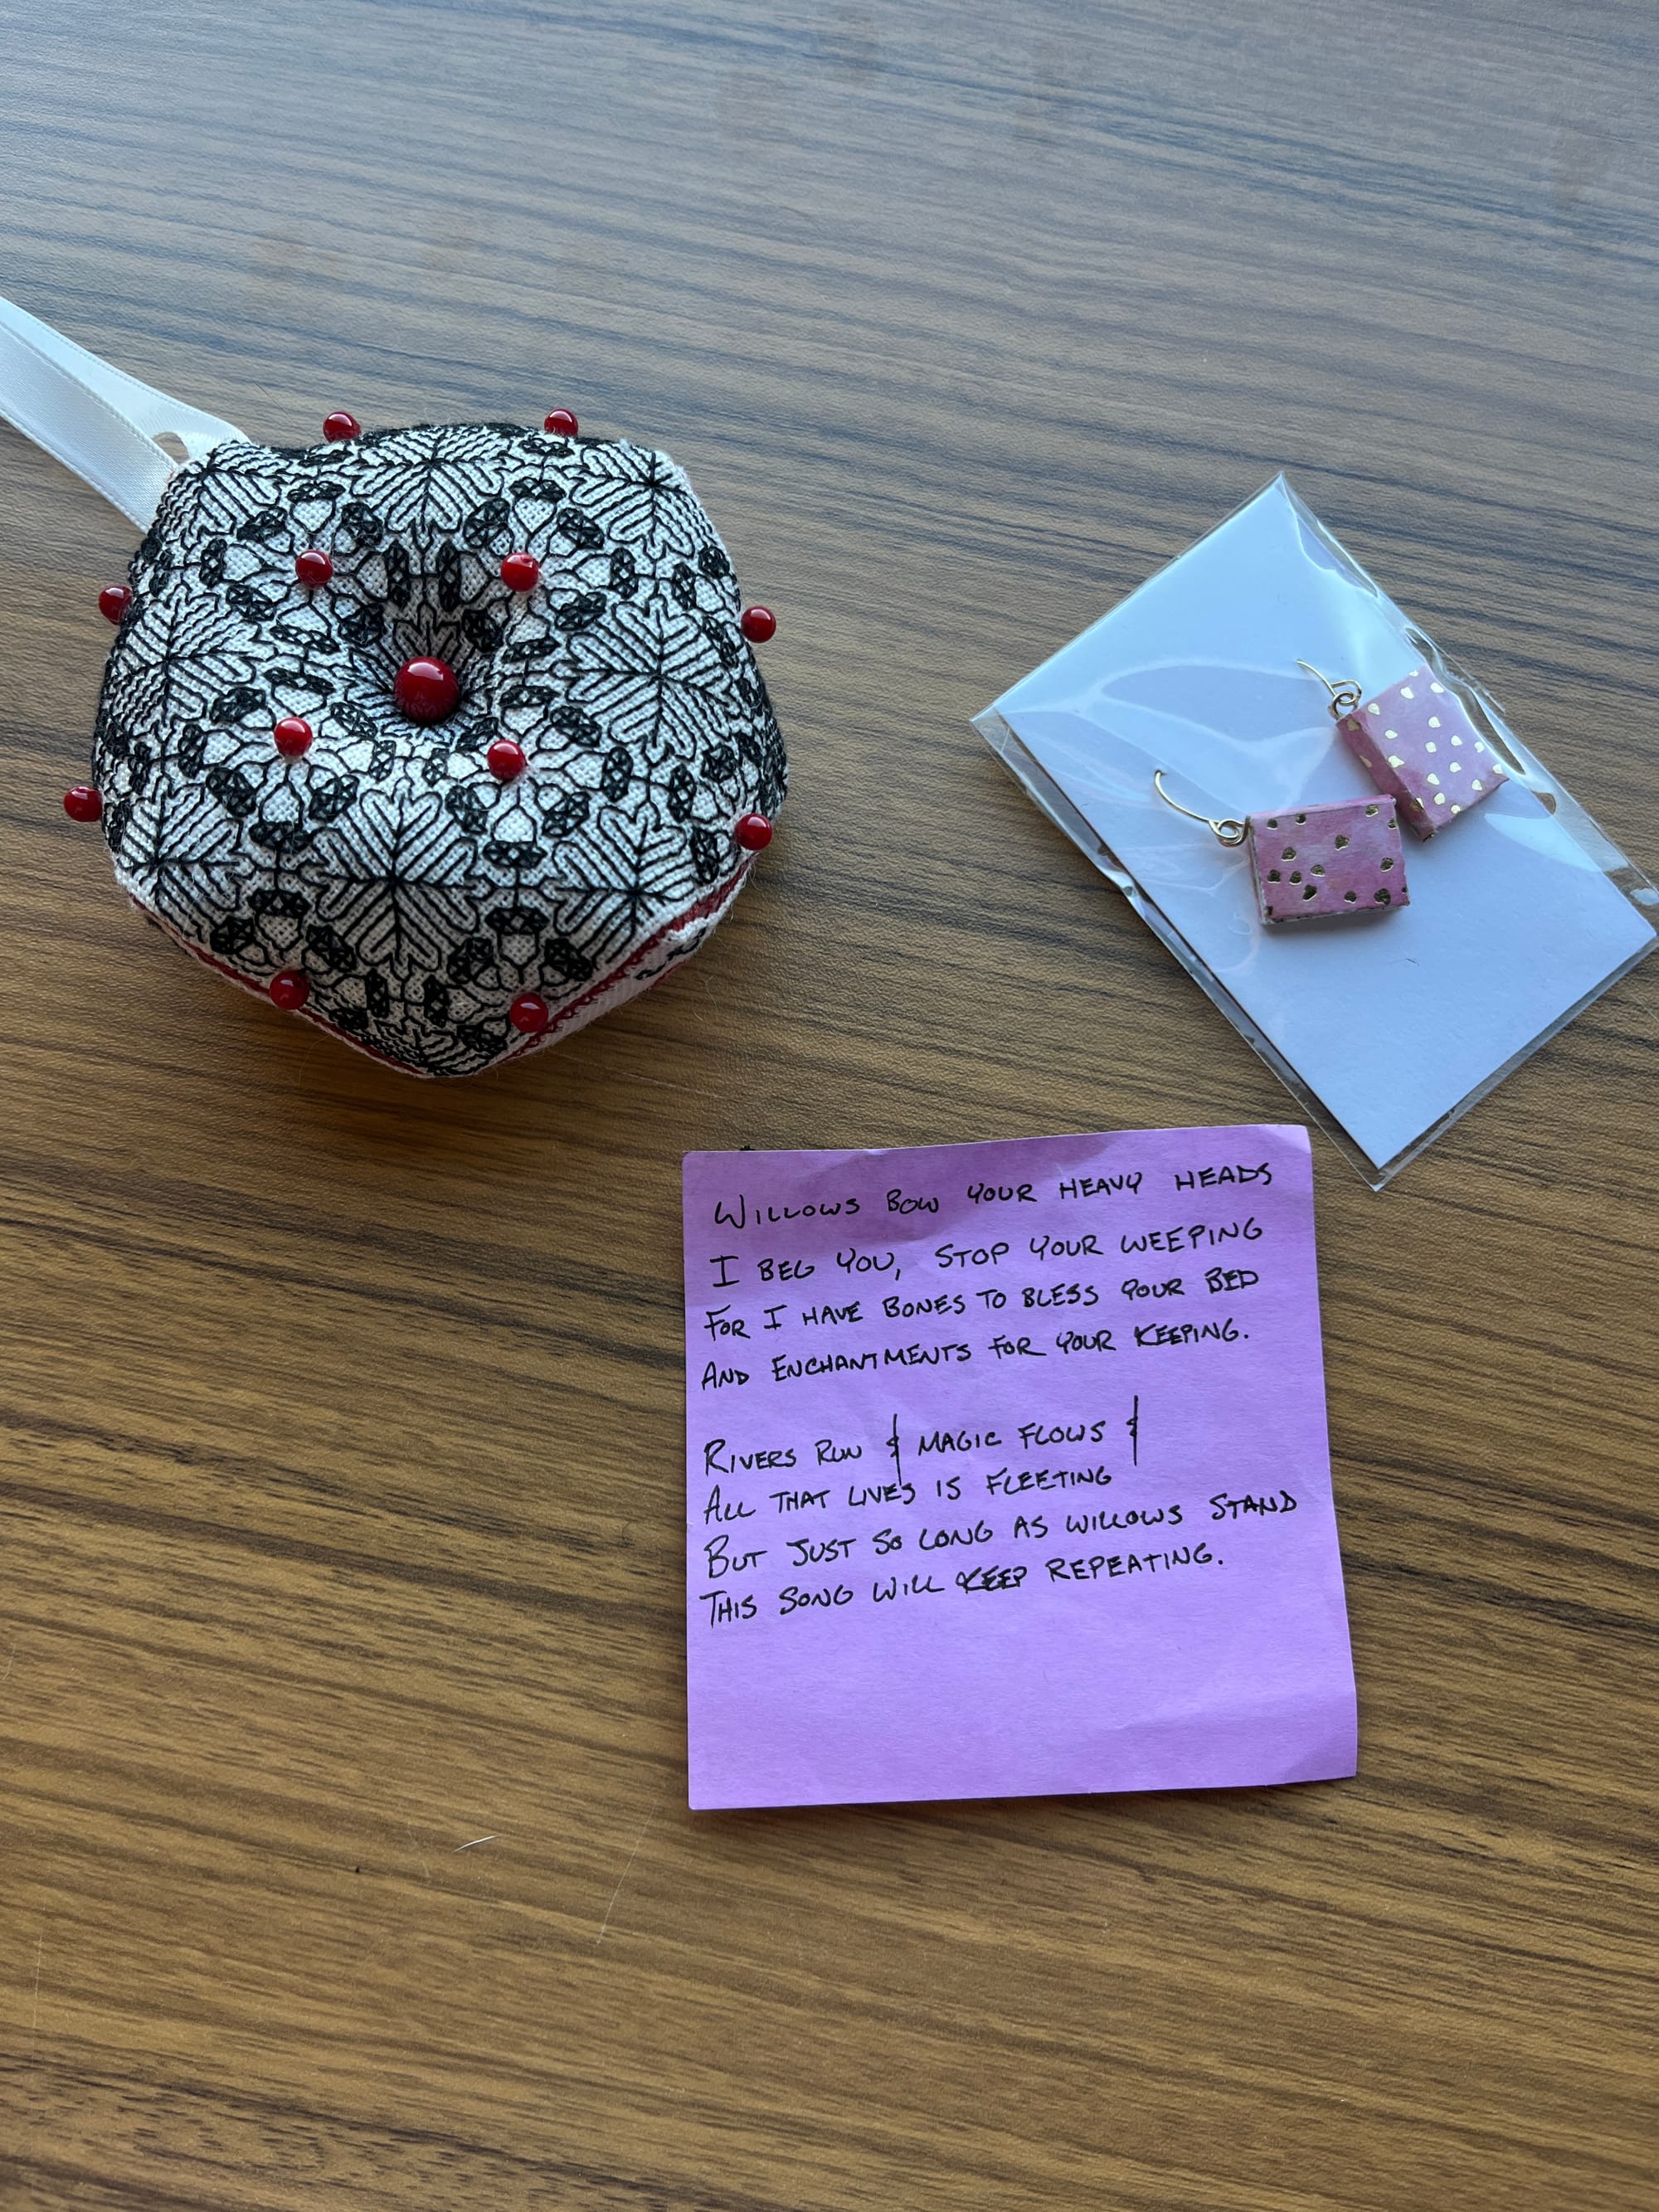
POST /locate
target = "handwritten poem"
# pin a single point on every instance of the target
(1007, 1471)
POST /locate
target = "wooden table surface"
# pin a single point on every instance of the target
(342, 1480)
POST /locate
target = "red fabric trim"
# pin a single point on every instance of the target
(708, 904)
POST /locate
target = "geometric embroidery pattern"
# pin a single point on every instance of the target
(419, 895)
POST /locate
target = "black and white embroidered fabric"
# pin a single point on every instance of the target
(418, 895)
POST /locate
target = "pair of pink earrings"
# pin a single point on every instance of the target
(1344, 856)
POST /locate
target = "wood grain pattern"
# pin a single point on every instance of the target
(342, 1480)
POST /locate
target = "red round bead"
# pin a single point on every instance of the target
(758, 624)
(113, 601)
(82, 804)
(312, 567)
(293, 737)
(340, 426)
(290, 990)
(521, 572)
(426, 689)
(561, 422)
(506, 758)
(753, 833)
(528, 1014)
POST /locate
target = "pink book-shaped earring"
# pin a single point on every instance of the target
(1326, 862)
(1416, 744)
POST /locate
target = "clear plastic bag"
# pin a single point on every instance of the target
(1386, 1028)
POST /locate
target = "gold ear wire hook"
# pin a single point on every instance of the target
(1230, 831)
(1344, 697)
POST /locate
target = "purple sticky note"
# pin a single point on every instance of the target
(1007, 1472)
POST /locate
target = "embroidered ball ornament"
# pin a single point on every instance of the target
(520, 735)
(448, 738)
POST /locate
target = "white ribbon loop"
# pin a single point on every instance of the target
(96, 420)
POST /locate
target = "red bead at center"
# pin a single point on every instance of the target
(426, 691)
